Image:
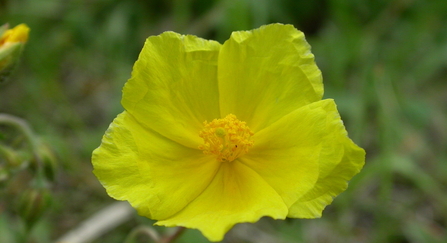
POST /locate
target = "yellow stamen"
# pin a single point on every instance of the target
(227, 138)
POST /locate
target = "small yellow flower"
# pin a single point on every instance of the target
(214, 135)
(11, 45)
(16, 34)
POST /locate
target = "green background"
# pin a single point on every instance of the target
(384, 63)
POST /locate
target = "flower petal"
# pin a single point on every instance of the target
(286, 153)
(158, 176)
(267, 73)
(173, 88)
(237, 194)
(340, 160)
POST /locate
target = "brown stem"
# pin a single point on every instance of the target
(175, 235)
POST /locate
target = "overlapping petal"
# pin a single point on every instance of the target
(286, 154)
(173, 87)
(267, 73)
(237, 194)
(156, 175)
(340, 159)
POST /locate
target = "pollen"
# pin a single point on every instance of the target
(227, 138)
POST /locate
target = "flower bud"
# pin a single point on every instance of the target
(44, 159)
(11, 46)
(4, 175)
(32, 204)
(9, 156)
(48, 161)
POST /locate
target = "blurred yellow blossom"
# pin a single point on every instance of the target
(11, 45)
(218, 134)
(16, 34)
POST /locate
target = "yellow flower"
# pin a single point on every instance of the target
(16, 34)
(214, 135)
(11, 45)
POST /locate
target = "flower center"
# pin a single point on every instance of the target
(227, 138)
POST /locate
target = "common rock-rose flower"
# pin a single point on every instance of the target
(218, 134)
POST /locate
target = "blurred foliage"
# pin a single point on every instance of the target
(383, 61)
